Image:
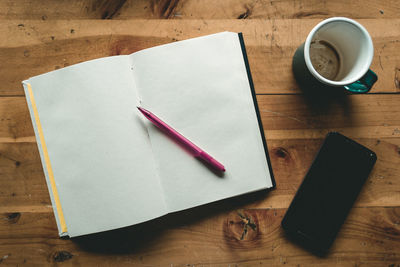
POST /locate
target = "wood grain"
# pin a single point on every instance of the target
(202, 9)
(284, 116)
(42, 46)
(24, 187)
(202, 236)
(44, 35)
(295, 126)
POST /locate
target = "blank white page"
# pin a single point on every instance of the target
(98, 147)
(200, 87)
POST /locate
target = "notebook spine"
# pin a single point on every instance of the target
(253, 94)
(62, 227)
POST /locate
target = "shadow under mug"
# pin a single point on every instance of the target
(342, 51)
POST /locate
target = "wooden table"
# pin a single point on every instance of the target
(40, 36)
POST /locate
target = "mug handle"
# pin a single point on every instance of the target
(364, 84)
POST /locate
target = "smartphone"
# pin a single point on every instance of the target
(328, 192)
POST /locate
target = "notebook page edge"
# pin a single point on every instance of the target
(61, 225)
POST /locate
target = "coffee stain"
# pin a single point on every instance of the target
(325, 59)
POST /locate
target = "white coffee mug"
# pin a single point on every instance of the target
(338, 53)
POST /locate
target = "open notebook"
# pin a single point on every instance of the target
(108, 167)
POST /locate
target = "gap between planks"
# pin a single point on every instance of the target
(49, 208)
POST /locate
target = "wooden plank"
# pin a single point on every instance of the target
(358, 113)
(15, 121)
(43, 35)
(41, 46)
(204, 9)
(24, 187)
(208, 235)
(284, 117)
(294, 126)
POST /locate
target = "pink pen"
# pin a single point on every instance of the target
(197, 152)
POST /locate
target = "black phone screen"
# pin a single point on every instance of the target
(328, 191)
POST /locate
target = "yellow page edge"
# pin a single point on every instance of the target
(56, 197)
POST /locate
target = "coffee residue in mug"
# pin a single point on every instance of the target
(325, 59)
